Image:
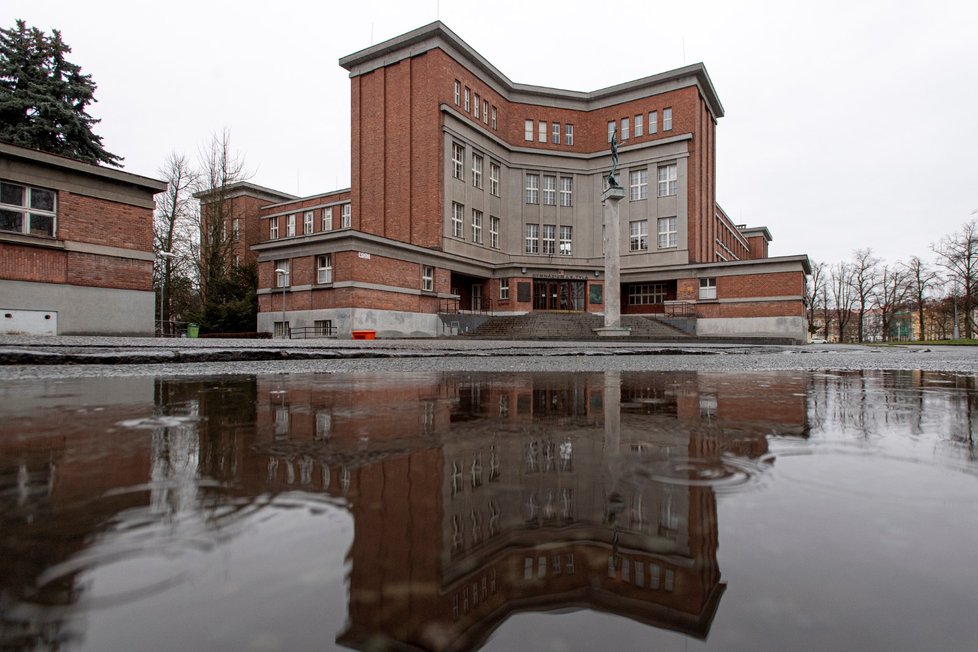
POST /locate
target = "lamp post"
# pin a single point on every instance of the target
(281, 274)
(166, 255)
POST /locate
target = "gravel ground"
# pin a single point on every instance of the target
(59, 357)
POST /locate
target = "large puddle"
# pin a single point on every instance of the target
(665, 511)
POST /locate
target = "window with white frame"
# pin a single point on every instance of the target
(324, 268)
(307, 223)
(485, 112)
(458, 161)
(477, 170)
(532, 239)
(28, 210)
(638, 181)
(667, 179)
(528, 131)
(532, 188)
(494, 178)
(542, 131)
(493, 117)
(566, 240)
(555, 133)
(458, 92)
(236, 229)
(638, 232)
(611, 129)
(667, 232)
(328, 218)
(638, 125)
(345, 216)
(458, 215)
(494, 232)
(568, 134)
(468, 100)
(476, 226)
(549, 190)
(282, 278)
(566, 191)
(549, 239)
(427, 278)
(273, 228)
(667, 119)
(290, 226)
(503, 289)
(653, 121)
(477, 104)
(708, 289)
(625, 129)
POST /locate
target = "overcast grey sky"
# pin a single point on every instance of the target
(848, 124)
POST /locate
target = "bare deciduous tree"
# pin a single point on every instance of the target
(958, 254)
(920, 278)
(174, 230)
(816, 296)
(843, 296)
(865, 281)
(891, 296)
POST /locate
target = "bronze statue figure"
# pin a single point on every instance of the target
(612, 181)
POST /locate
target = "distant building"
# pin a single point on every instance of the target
(76, 246)
(471, 192)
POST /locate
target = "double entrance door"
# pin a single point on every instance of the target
(559, 295)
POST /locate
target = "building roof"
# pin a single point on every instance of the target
(437, 35)
(71, 165)
(240, 188)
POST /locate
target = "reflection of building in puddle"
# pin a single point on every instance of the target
(479, 497)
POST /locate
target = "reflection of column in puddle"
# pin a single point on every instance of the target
(612, 457)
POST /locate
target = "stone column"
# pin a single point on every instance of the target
(612, 265)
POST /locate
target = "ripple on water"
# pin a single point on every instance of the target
(157, 421)
(726, 474)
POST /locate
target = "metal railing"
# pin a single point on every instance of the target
(679, 309)
(309, 332)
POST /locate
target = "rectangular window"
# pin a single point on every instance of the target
(485, 112)
(27, 210)
(542, 132)
(236, 229)
(611, 129)
(477, 104)
(458, 161)
(625, 132)
(549, 239)
(273, 228)
(477, 170)
(494, 179)
(282, 277)
(493, 117)
(427, 278)
(503, 289)
(566, 191)
(555, 133)
(494, 232)
(345, 216)
(566, 240)
(646, 294)
(568, 134)
(653, 122)
(549, 190)
(458, 93)
(328, 218)
(307, 221)
(638, 184)
(324, 268)
(638, 125)
(667, 119)
(528, 131)
(458, 213)
(708, 289)
(532, 239)
(667, 180)
(667, 232)
(476, 226)
(290, 226)
(638, 235)
(532, 188)
(468, 101)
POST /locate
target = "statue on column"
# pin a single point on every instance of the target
(612, 181)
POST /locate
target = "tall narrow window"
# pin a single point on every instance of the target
(542, 132)
(468, 101)
(549, 239)
(625, 132)
(493, 117)
(485, 111)
(653, 121)
(611, 129)
(290, 226)
(273, 228)
(346, 218)
(458, 214)
(667, 180)
(427, 278)
(494, 232)
(532, 188)
(324, 268)
(555, 133)
(638, 235)
(477, 105)
(458, 92)
(328, 218)
(638, 125)
(532, 238)
(458, 160)
(307, 222)
(476, 226)
(667, 119)
(566, 191)
(236, 229)
(477, 170)
(566, 240)
(568, 134)
(503, 289)
(638, 184)
(549, 190)
(528, 131)
(667, 232)
(493, 179)
(282, 278)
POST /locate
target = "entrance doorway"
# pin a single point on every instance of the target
(559, 295)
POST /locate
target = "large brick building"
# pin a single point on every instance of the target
(76, 246)
(473, 192)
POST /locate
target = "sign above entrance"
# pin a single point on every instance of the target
(564, 277)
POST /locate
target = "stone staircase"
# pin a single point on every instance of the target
(571, 326)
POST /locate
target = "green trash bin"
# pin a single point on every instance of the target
(193, 330)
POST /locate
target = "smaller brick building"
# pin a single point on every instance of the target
(76, 246)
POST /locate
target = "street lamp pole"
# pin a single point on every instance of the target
(281, 275)
(165, 255)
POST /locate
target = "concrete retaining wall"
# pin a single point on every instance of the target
(82, 310)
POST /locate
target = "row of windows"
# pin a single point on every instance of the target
(638, 234)
(545, 241)
(458, 225)
(478, 107)
(543, 128)
(324, 271)
(478, 165)
(549, 195)
(308, 222)
(626, 125)
(27, 210)
(638, 182)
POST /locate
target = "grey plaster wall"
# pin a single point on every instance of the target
(84, 310)
(791, 327)
(387, 323)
